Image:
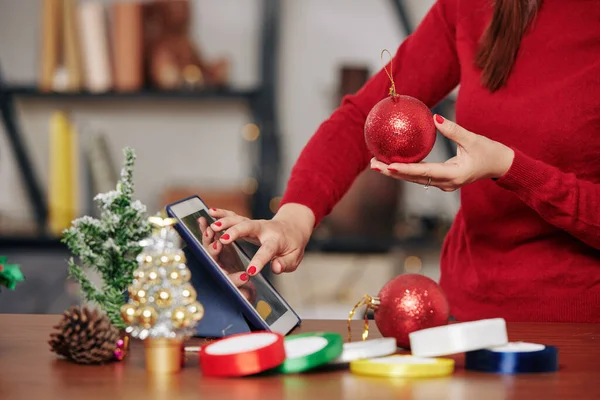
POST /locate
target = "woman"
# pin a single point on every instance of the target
(525, 243)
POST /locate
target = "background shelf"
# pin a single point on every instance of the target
(334, 245)
(261, 101)
(150, 94)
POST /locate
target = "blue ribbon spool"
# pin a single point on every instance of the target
(514, 358)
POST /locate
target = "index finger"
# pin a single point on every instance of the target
(430, 170)
(267, 252)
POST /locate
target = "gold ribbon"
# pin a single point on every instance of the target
(371, 303)
(390, 73)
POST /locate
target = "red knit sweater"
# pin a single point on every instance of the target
(527, 246)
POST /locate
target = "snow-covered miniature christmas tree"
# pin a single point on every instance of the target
(110, 244)
(162, 309)
(162, 301)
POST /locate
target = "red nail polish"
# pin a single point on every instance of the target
(218, 223)
(252, 270)
(213, 209)
(392, 169)
(376, 169)
(244, 277)
(225, 236)
(206, 233)
(215, 245)
(439, 119)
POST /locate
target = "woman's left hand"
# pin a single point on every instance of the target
(477, 157)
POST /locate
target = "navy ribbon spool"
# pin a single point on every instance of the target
(513, 362)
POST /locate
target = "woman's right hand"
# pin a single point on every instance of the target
(282, 239)
(227, 258)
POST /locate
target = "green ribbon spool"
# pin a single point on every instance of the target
(306, 351)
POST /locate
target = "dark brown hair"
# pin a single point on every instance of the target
(502, 38)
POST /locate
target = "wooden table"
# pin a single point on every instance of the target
(29, 371)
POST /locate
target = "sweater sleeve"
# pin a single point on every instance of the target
(560, 198)
(424, 66)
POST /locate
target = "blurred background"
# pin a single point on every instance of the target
(217, 98)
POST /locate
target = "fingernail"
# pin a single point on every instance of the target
(252, 270)
(392, 169)
(225, 236)
(376, 169)
(213, 209)
(218, 223)
(244, 277)
(206, 233)
(439, 119)
(215, 245)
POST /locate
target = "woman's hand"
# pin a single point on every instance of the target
(477, 157)
(282, 239)
(228, 260)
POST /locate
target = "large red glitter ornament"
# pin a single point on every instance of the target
(400, 129)
(407, 303)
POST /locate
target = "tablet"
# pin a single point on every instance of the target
(264, 309)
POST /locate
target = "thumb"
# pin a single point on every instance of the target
(453, 131)
(288, 263)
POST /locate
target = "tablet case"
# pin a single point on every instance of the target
(222, 316)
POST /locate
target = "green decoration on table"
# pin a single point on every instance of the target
(306, 351)
(110, 244)
(10, 274)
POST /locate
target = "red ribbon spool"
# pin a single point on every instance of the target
(242, 354)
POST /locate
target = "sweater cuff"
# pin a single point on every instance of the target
(525, 175)
(307, 193)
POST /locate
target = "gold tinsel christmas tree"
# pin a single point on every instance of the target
(162, 309)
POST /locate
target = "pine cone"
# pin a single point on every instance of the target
(85, 336)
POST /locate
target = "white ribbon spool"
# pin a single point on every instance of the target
(366, 349)
(458, 338)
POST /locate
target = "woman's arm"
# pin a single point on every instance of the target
(425, 66)
(562, 199)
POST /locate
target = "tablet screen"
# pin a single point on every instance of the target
(257, 290)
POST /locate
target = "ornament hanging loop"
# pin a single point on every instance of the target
(371, 303)
(389, 73)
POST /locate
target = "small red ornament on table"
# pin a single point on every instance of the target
(399, 128)
(407, 303)
(122, 347)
